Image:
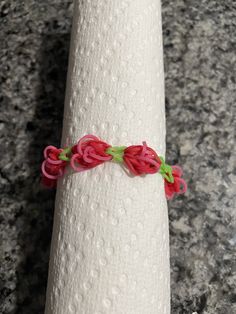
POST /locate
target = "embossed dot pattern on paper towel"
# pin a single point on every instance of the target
(110, 257)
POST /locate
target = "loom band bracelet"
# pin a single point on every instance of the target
(90, 152)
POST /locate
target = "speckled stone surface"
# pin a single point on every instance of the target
(200, 62)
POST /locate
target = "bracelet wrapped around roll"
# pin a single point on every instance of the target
(90, 152)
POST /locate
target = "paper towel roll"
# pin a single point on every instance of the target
(110, 250)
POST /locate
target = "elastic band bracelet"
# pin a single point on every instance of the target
(90, 152)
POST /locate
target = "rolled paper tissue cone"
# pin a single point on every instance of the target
(110, 247)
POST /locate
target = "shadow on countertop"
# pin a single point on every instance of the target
(45, 128)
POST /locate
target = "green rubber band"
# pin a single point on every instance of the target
(117, 153)
(62, 155)
(166, 171)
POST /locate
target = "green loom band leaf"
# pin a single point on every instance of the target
(166, 171)
(116, 152)
(62, 155)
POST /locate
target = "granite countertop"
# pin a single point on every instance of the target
(199, 52)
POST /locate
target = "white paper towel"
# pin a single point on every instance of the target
(110, 249)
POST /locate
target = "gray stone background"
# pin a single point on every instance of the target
(200, 66)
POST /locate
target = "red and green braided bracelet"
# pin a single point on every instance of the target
(90, 152)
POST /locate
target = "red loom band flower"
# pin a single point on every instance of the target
(52, 167)
(51, 171)
(141, 159)
(179, 186)
(89, 153)
(51, 153)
